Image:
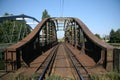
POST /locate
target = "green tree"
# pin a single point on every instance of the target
(118, 36)
(13, 31)
(45, 14)
(115, 36)
(97, 35)
(6, 14)
(112, 36)
(0, 32)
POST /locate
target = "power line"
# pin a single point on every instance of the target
(61, 7)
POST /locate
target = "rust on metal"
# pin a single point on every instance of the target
(28, 45)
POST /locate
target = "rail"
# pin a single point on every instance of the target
(49, 64)
(75, 66)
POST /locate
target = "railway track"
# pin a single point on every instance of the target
(62, 62)
(45, 68)
(61, 65)
(79, 68)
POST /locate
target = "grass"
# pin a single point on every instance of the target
(108, 76)
(54, 77)
(21, 76)
(117, 45)
(57, 77)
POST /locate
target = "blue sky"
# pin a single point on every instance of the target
(100, 16)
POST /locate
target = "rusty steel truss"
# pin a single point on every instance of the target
(44, 36)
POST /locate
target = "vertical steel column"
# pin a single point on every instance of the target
(53, 32)
(77, 36)
(82, 40)
(66, 35)
(50, 32)
(64, 25)
(50, 35)
(38, 43)
(46, 34)
(43, 35)
(56, 30)
(74, 34)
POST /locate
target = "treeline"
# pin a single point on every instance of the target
(114, 36)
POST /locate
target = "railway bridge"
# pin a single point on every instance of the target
(44, 37)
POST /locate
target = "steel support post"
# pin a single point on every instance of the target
(72, 33)
(74, 28)
(38, 40)
(51, 31)
(46, 34)
(42, 38)
(75, 35)
(82, 41)
(48, 27)
(78, 35)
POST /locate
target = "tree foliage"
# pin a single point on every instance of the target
(13, 31)
(97, 35)
(45, 14)
(115, 36)
(7, 14)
